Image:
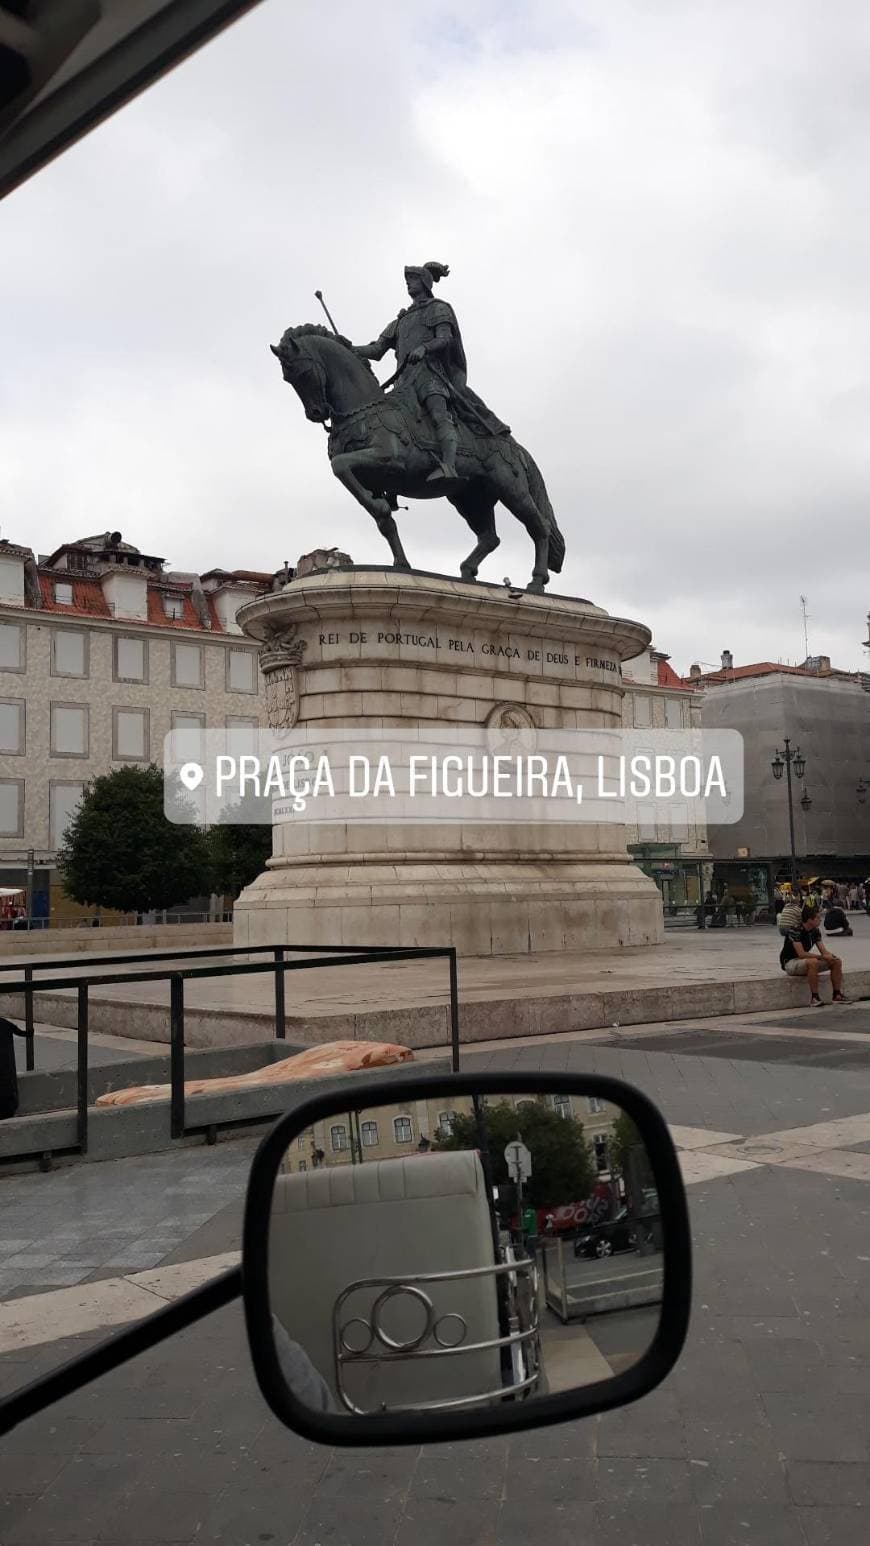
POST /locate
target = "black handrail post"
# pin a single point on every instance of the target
(30, 1045)
(454, 1008)
(280, 1020)
(176, 1052)
(82, 1067)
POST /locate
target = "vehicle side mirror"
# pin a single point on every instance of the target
(448, 1257)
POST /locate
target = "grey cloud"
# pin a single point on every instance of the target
(657, 227)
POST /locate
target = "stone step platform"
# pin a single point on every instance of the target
(734, 971)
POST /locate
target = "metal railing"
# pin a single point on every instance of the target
(278, 966)
(431, 1343)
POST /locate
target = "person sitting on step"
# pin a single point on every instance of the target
(804, 955)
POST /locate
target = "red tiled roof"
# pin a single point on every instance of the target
(89, 601)
(87, 596)
(188, 618)
(761, 668)
(666, 676)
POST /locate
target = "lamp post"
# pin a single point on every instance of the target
(787, 759)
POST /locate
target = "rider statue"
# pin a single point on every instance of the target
(432, 366)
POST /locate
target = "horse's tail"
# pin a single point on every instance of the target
(538, 491)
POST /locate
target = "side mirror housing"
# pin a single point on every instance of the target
(445, 1257)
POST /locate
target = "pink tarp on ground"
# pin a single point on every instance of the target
(335, 1057)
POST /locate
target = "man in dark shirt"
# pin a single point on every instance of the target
(798, 959)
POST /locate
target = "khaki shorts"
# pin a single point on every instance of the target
(797, 966)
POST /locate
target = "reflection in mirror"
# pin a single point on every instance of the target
(462, 1254)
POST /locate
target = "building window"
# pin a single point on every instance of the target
(12, 726)
(11, 807)
(173, 606)
(338, 1137)
(403, 1129)
(186, 665)
(11, 647)
(303, 1164)
(369, 1132)
(63, 801)
(646, 823)
(130, 735)
(63, 593)
(131, 660)
(242, 736)
(241, 672)
(446, 1120)
(600, 1145)
(673, 713)
(596, 1106)
(69, 652)
(562, 1105)
(642, 711)
(70, 730)
(193, 746)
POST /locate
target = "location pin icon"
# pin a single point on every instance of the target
(191, 775)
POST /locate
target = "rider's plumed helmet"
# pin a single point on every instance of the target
(430, 273)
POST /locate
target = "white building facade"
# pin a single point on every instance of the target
(103, 652)
(678, 859)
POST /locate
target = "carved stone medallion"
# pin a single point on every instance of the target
(511, 729)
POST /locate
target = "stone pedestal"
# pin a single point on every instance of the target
(375, 647)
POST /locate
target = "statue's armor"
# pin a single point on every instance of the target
(444, 374)
(417, 325)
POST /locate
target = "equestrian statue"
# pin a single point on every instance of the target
(424, 434)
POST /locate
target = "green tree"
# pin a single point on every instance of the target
(628, 1154)
(563, 1168)
(120, 851)
(624, 1138)
(238, 852)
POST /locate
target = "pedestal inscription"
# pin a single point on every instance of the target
(384, 648)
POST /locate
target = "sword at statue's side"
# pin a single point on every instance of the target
(319, 295)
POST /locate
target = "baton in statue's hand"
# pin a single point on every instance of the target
(319, 294)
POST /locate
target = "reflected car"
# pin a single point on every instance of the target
(616, 1234)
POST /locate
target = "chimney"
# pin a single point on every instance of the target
(727, 660)
(824, 666)
(695, 672)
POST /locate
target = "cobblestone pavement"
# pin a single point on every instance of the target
(761, 1434)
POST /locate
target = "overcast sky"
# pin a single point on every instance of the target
(658, 227)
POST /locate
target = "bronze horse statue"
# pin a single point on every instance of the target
(381, 447)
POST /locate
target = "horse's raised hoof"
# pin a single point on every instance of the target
(468, 575)
(535, 587)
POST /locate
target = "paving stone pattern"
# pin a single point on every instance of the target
(96, 1221)
(761, 1436)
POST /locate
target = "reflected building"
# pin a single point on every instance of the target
(392, 1131)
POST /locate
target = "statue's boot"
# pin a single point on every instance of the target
(448, 442)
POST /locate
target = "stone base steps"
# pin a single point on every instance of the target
(428, 1026)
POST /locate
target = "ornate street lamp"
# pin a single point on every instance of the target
(787, 759)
